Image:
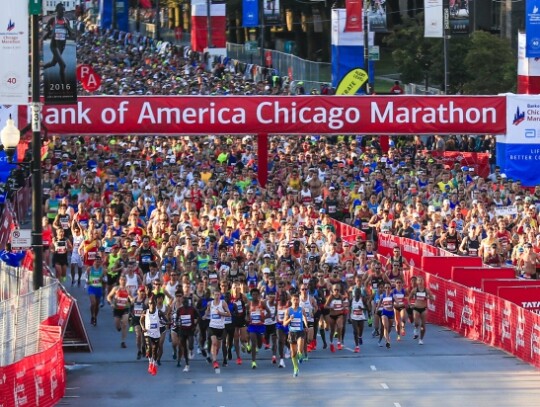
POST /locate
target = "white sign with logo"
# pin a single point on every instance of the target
(506, 210)
(21, 239)
(14, 69)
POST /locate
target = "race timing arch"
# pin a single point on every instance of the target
(264, 115)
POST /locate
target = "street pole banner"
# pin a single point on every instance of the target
(459, 16)
(271, 11)
(14, 40)
(250, 13)
(433, 19)
(532, 28)
(59, 59)
(376, 13)
(353, 22)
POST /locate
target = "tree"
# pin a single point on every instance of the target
(480, 64)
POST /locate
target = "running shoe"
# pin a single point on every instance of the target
(150, 368)
(203, 352)
(191, 355)
(361, 341)
(332, 348)
(186, 369)
(415, 332)
(274, 359)
(243, 347)
(339, 346)
(154, 370)
(399, 338)
(325, 345)
(238, 361)
(254, 365)
(248, 347)
(287, 353)
(403, 330)
(300, 357)
(224, 363)
(139, 355)
(281, 363)
(178, 364)
(159, 362)
(229, 354)
(380, 343)
(374, 333)
(131, 329)
(387, 345)
(357, 349)
(209, 359)
(216, 365)
(370, 322)
(335, 334)
(295, 372)
(174, 355)
(123, 345)
(420, 342)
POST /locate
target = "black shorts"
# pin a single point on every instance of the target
(239, 322)
(270, 329)
(119, 313)
(409, 311)
(325, 311)
(185, 333)
(310, 324)
(217, 332)
(162, 329)
(379, 313)
(60, 259)
(419, 310)
(335, 317)
(151, 342)
(294, 336)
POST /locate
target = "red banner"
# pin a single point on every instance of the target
(353, 23)
(490, 285)
(278, 115)
(347, 232)
(478, 161)
(473, 276)
(36, 380)
(527, 296)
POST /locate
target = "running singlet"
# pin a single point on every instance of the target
(358, 310)
(256, 315)
(336, 304)
(121, 299)
(296, 324)
(399, 298)
(270, 318)
(95, 276)
(151, 324)
(308, 309)
(216, 320)
(60, 31)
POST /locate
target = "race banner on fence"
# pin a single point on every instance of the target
(478, 161)
(532, 28)
(281, 115)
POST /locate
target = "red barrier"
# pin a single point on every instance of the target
(473, 276)
(490, 285)
(478, 161)
(442, 266)
(347, 232)
(7, 224)
(36, 380)
(527, 296)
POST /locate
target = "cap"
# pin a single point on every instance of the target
(322, 210)
(266, 256)
(475, 202)
(65, 155)
(266, 270)
(452, 224)
(133, 244)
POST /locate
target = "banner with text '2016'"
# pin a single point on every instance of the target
(518, 153)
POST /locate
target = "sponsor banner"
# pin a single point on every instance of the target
(353, 20)
(473, 276)
(526, 296)
(490, 285)
(458, 12)
(289, 115)
(271, 11)
(65, 303)
(342, 38)
(39, 379)
(352, 82)
(14, 40)
(250, 13)
(528, 70)
(506, 210)
(433, 19)
(199, 26)
(386, 243)
(532, 28)
(59, 59)
(478, 161)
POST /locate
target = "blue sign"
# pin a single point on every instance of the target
(5, 166)
(250, 13)
(532, 28)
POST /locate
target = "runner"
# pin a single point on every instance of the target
(295, 319)
(420, 296)
(386, 304)
(120, 299)
(270, 333)
(96, 276)
(256, 317)
(164, 310)
(151, 320)
(358, 316)
(138, 307)
(309, 304)
(61, 246)
(186, 318)
(216, 312)
(76, 260)
(334, 303)
(399, 294)
(239, 320)
(282, 330)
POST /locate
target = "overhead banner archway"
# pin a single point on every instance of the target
(278, 115)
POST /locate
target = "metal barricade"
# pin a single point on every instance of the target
(415, 89)
(20, 318)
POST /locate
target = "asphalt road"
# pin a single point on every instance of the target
(446, 371)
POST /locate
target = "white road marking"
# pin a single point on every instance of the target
(220, 389)
(397, 405)
(373, 367)
(384, 386)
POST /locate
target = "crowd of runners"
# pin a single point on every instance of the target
(179, 237)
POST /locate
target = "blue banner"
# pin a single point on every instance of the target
(250, 13)
(122, 21)
(105, 14)
(532, 28)
(5, 167)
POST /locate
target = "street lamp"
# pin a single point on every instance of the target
(10, 137)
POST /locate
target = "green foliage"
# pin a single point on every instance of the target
(481, 63)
